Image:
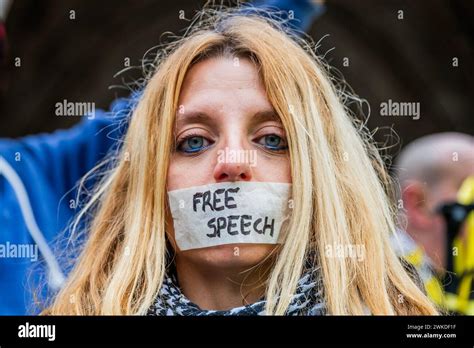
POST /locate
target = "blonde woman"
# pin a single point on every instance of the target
(241, 84)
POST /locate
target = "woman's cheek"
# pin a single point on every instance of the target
(187, 171)
(272, 169)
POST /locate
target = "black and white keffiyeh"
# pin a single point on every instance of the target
(306, 301)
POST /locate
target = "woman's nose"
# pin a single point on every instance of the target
(233, 165)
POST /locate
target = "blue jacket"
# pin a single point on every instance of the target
(38, 177)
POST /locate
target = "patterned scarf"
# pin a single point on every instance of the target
(307, 300)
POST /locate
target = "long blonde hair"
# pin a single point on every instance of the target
(341, 190)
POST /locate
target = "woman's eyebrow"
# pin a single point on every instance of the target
(265, 115)
(193, 117)
(202, 117)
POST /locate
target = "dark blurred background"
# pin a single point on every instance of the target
(405, 60)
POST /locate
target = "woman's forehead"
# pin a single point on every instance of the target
(222, 73)
(220, 85)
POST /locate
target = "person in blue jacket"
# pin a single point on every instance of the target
(38, 185)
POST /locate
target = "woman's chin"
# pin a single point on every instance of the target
(230, 256)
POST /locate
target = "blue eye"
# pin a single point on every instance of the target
(273, 142)
(193, 144)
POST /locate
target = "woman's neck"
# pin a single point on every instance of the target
(213, 288)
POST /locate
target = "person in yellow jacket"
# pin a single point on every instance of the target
(436, 175)
(406, 248)
(460, 220)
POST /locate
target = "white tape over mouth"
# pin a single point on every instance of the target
(230, 212)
